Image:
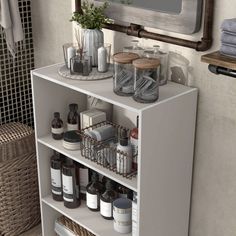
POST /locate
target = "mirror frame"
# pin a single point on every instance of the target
(138, 31)
(188, 21)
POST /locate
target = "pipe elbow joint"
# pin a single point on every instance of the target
(204, 45)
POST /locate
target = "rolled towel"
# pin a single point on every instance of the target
(229, 25)
(228, 50)
(228, 38)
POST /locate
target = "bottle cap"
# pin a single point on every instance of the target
(124, 138)
(56, 161)
(56, 114)
(73, 106)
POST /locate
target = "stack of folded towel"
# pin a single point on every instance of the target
(228, 38)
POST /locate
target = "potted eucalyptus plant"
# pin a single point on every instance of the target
(91, 19)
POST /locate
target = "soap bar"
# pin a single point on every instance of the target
(91, 117)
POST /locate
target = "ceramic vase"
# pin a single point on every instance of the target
(93, 39)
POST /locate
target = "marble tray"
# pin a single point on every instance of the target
(94, 75)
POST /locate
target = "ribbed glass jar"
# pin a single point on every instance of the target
(123, 77)
(146, 80)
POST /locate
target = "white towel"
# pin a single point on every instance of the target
(11, 22)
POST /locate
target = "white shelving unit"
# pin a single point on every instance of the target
(166, 144)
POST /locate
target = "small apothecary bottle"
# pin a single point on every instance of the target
(146, 85)
(93, 193)
(70, 180)
(57, 127)
(56, 177)
(73, 118)
(123, 77)
(106, 200)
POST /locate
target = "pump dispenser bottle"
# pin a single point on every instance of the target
(124, 154)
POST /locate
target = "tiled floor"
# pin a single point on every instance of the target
(36, 231)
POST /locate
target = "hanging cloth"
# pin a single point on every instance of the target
(11, 22)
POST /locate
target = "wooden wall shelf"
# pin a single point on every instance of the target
(217, 59)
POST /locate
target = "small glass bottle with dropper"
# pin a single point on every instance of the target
(106, 201)
(57, 127)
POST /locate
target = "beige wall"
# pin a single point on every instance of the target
(214, 189)
(51, 28)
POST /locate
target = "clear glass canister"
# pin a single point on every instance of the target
(134, 48)
(123, 77)
(155, 52)
(178, 68)
(146, 85)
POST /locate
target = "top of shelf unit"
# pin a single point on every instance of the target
(103, 89)
(215, 58)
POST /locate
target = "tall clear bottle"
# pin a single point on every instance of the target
(106, 201)
(93, 193)
(73, 119)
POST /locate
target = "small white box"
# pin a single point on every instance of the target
(91, 117)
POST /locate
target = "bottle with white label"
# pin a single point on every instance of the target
(70, 180)
(106, 201)
(93, 193)
(56, 181)
(124, 154)
(83, 180)
(134, 145)
(73, 119)
(57, 127)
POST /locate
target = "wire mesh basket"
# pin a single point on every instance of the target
(105, 153)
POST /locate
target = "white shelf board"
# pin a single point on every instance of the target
(90, 220)
(103, 89)
(76, 155)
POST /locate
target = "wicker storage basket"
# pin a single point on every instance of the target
(72, 226)
(19, 197)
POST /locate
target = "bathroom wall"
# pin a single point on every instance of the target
(214, 183)
(51, 29)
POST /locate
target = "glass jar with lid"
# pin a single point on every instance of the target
(134, 48)
(146, 80)
(123, 77)
(155, 52)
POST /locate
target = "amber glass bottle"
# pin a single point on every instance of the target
(93, 193)
(70, 180)
(57, 127)
(106, 201)
(56, 181)
(73, 120)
